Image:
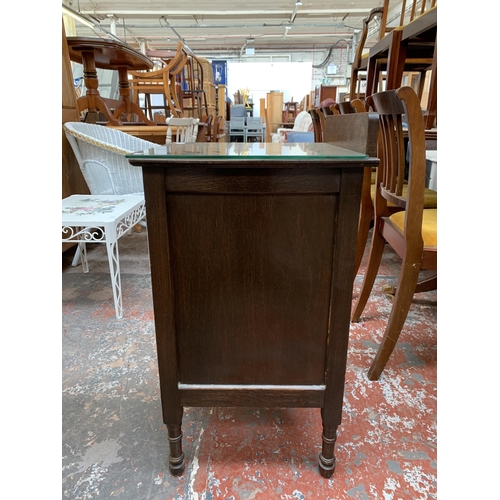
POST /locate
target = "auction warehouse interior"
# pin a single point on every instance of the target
(249, 250)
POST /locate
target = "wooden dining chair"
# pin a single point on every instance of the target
(160, 81)
(335, 108)
(207, 122)
(367, 210)
(359, 64)
(317, 126)
(182, 130)
(194, 97)
(359, 105)
(216, 128)
(327, 110)
(412, 231)
(346, 107)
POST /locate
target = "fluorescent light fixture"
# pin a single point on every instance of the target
(77, 16)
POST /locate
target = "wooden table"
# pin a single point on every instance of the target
(157, 133)
(252, 259)
(107, 54)
(412, 47)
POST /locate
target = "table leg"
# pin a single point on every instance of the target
(82, 247)
(326, 462)
(114, 268)
(176, 457)
(92, 100)
(126, 105)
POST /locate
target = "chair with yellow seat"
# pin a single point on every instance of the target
(412, 231)
(367, 212)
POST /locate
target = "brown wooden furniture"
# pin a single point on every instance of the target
(411, 232)
(208, 122)
(359, 105)
(154, 133)
(359, 64)
(102, 53)
(274, 106)
(252, 255)
(366, 205)
(150, 83)
(367, 210)
(159, 82)
(194, 97)
(317, 124)
(346, 107)
(72, 178)
(322, 92)
(334, 108)
(327, 110)
(216, 130)
(408, 46)
(412, 47)
(290, 112)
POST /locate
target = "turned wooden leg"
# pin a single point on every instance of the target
(176, 457)
(326, 461)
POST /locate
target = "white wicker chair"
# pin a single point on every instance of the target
(100, 152)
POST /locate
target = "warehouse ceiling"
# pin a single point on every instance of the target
(223, 28)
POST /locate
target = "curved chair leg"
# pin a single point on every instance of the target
(363, 229)
(400, 307)
(366, 215)
(374, 259)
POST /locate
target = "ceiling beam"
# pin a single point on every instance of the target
(222, 13)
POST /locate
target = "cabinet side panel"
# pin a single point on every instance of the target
(252, 279)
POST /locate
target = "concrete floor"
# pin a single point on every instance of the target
(114, 443)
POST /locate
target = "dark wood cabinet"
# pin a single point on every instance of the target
(252, 262)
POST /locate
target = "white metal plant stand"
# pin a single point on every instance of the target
(102, 219)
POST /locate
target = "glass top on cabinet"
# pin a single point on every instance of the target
(249, 150)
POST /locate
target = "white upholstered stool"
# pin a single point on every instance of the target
(102, 219)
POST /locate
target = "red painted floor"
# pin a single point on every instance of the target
(115, 444)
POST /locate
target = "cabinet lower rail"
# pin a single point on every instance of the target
(293, 396)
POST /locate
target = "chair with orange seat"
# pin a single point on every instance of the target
(412, 231)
